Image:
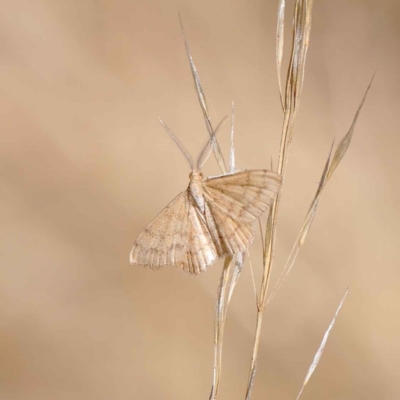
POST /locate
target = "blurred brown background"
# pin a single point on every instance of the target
(85, 165)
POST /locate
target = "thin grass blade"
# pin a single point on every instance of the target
(280, 40)
(322, 181)
(301, 237)
(345, 142)
(321, 348)
(203, 104)
(252, 278)
(206, 151)
(219, 325)
(237, 269)
(306, 40)
(232, 151)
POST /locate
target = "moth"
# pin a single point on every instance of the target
(212, 218)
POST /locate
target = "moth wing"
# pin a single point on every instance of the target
(163, 242)
(234, 202)
(201, 251)
(178, 236)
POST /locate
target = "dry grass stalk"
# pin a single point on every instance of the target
(290, 103)
(220, 316)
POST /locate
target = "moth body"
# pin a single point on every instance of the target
(196, 190)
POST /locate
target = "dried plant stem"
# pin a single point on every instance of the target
(220, 316)
(290, 104)
(253, 368)
(229, 277)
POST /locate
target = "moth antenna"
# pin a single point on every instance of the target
(206, 150)
(178, 143)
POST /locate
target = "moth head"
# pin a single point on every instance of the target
(194, 175)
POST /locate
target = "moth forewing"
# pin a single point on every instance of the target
(162, 242)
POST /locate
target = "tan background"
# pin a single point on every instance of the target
(85, 165)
